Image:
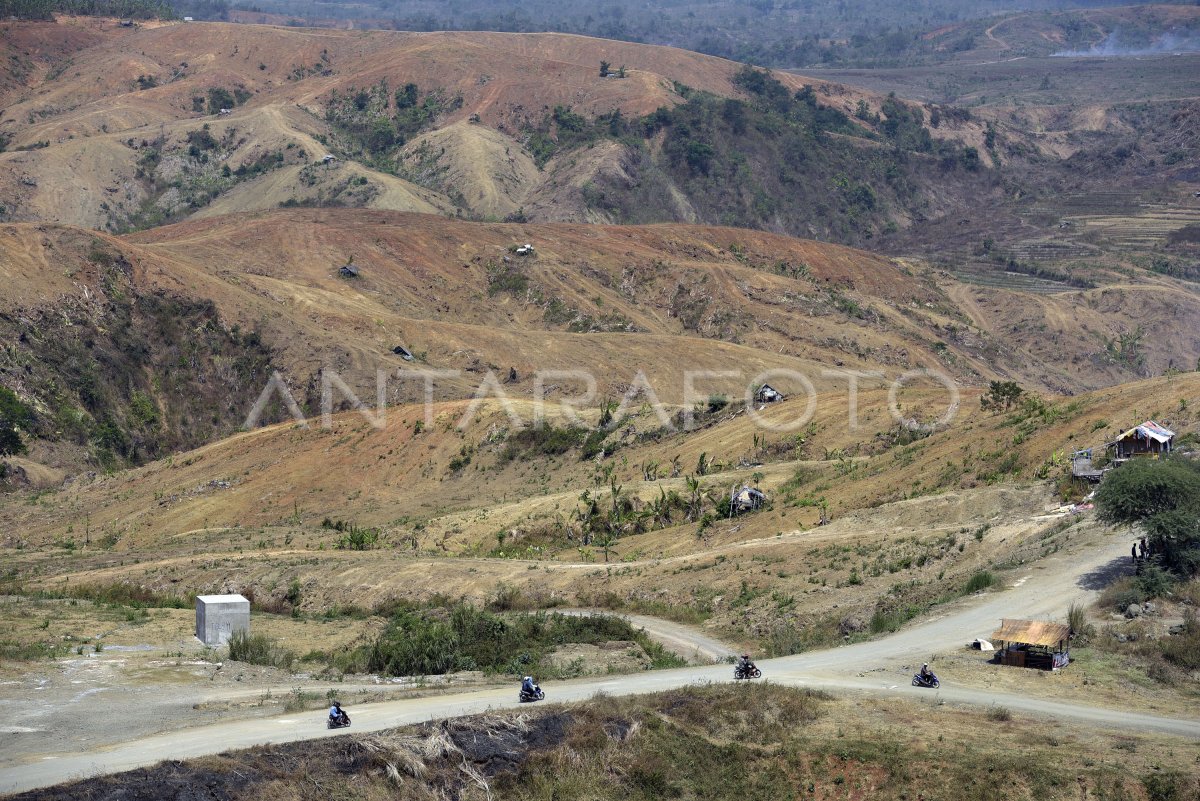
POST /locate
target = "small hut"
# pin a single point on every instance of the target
(746, 499)
(1033, 644)
(1149, 439)
(767, 394)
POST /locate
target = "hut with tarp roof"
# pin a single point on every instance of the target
(1146, 440)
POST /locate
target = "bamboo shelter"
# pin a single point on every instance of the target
(1032, 643)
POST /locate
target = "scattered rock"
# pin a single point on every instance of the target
(1132, 611)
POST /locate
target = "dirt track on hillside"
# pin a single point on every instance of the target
(1044, 590)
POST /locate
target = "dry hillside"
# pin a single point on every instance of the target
(218, 304)
(110, 127)
(449, 509)
(182, 326)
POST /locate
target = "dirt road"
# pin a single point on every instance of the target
(683, 641)
(1044, 590)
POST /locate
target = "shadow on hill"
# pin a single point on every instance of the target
(1104, 575)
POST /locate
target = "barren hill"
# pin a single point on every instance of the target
(87, 124)
(121, 129)
(361, 515)
(97, 323)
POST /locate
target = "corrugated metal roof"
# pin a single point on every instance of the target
(1032, 632)
(1150, 430)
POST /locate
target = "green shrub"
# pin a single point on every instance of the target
(981, 580)
(506, 277)
(1077, 622)
(463, 637)
(1121, 593)
(892, 619)
(121, 593)
(1169, 786)
(218, 99)
(1154, 582)
(358, 539)
(258, 649)
(26, 651)
(542, 440)
(1183, 649)
(999, 714)
(15, 416)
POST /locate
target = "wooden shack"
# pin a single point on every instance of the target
(1032, 644)
(1147, 440)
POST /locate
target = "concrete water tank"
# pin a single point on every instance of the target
(219, 616)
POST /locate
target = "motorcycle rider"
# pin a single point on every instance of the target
(926, 674)
(528, 687)
(745, 665)
(335, 713)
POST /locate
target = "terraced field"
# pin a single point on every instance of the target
(989, 275)
(1151, 225)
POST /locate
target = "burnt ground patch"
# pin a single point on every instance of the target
(217, 779)
(491, 744)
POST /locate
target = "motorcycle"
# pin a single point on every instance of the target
(926, 681)
(746, 672)
(526, 696)
(340, 722)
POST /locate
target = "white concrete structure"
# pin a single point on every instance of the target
(219, 616)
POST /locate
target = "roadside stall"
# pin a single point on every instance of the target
(1033, 644)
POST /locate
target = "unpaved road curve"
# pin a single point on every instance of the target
(1043, 590)
(683, 641)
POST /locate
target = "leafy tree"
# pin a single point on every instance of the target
(1163, 497)
(1001, 395)
(699, 155)
(14, 417)
(407, 96)
(568, 120)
